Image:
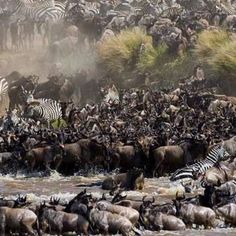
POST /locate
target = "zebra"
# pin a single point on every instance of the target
(215, 155)
(39, 10)
(48, 110)
(43, 13)
(3, 88)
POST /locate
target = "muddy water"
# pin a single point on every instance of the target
(41, 188)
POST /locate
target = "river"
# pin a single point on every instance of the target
(39, 188)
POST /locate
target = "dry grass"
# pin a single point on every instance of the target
(218, 49)
(224, 60)
(121, 52)
(209, 41)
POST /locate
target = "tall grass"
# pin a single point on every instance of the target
(209, 42)
(218, 49)
(121, 52)
(224, 60)
(131, 52)
(152, 58)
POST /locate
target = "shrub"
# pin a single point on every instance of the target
(121, 52)
(152, 58)
(209, 41)
(224, 60)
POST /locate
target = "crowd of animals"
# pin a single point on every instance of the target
(155, 130)
(113, 213)
(75, 124)
(65, 23)
(188, 132)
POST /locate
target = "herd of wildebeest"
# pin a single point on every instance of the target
(142, 133)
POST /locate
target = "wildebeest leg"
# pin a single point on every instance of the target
(155, 172)
(58, 162)
(26, 227)
(2, 224)
(32, 163)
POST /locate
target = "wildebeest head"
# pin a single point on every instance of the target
(145, 143)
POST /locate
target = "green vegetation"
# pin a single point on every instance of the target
(60, 123)
(218, 49)
(131, 52)
(120, 53)
(210, 41)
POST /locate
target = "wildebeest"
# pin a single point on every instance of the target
(160, 221)
(108, 222)
(132, 180)
(170, 158)
(228, 212)
(18, 220)
(86, 152)
(127, 212)
(60, 222)
(192, 214)
(44, 156)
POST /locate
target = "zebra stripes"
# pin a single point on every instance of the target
(48, 110)
(3, 87)
(216, 154)
(40, 11)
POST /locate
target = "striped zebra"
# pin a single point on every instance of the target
(215, 155)
(3, 88)
(40, 11)
(47, 111)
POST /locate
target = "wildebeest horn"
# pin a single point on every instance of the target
(153, 199)
(143, 198)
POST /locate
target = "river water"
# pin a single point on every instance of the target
(42, 188)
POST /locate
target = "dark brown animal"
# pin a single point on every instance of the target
(44, 156)
(132, 180)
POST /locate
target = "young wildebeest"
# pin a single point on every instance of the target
(127, 212)
(192, 214)
(228, 212)
(110, 223)
(17, 220)
(60, 222)
(132, 180)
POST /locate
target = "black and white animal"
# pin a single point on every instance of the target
(215, 155)
(3, 88)
(46, 111)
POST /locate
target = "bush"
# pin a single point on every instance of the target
(131, 53)
(121, 52)
(224, 60)
(209, 41)
(218, 49)
(152, 58)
